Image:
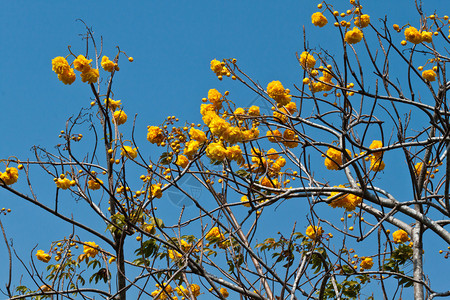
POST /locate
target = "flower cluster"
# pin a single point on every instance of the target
(219, 69)
(10, 176)
(333, 159)
(94, 184)
(353, 36)
(376, 164)
(367, 263)
(90, 249)
(42, 256)
(129, 152)
(167, 292)
(347, 201)
(314, 232)
(318, 19)
(108, 65)
(400, 236)
(277, 92)
(429, 75)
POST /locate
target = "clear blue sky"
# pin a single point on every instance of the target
(172, 43)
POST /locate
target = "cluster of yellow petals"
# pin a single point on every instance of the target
(156, 190)
(215, 97)
(274, 135)
(90, 249)
(182, 161)
(61, 67)
(376, 164)
(63, 183)
(347, 201)
(353, 36)
(307, 60)
(429, 75)
(10, 176)
(42, 256)
(155, 135)
(107, 64)
(269, 182)
(413, 35)
(129, 152)
(400, 236)
(214, 235)
(290, 139)
(94, 184)
(318, 19)
(120, 117)
(335, 159)
(277, 92)
(314, 232)
(197, 135)
(367, 263)
(191, 147)
(113, 104)
(362, 21)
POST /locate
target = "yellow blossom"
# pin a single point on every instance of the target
(224, 292)
(218, 125)
(376, 164)
(274, 135)
(10, 176)
(174, 255)
(113, 104)
(191, 148)
(90, 76)
(244, 201)
(232, 135)
(62, 183)
(239, 111)
(254, 111)
(347, 201)
(215, 98)
(156, 191)
(68, 76)
(182, 161)
(42, 256)
(353, 36)
(60, 65)
(205, 108)
(197, 135)
(217, 67)
(318, 19)
(82, 64)
(120, 117)
(362, 21)
(429, 75)
(90, 249)
(336, 160)
(413, 35)
(235, 153)
(314, 232)
(129, 152)
(216, 151)
(214, 235)
(290, 139)
(367, 263)
(155, 135)
(195, 290)
(427, 36)
(400, 236)
(107, 64)
(94, 185)
(270, 183)
(307, 60)
(277, 92)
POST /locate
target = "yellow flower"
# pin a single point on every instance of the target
(214, 235)
(307, 60)
(318, 19)
(217, 125)
(111, 259)
(68, 76)
(205, 108)
(224, 292)
(427, 36)
(400, 236)
(156, 190)
(367, 263)
(191, 148)
(82, 64)
(94, 185)
(375, 145)
(216, 151)
(155, 135)
(215, 98)
(113, 104)
(217, 67)
(195, 290)
(347, 201)
(235, 153)
(274, 135)
(253, 111)
(376, 164)
(291, 107)
(277, 92)
(120, 117)
(336, 160)
(429, 75)
(413, 35)
(62, 183)
(250, 134)
(197, 135)
(233, 135)
(314, 232)
(107, 64)
(129, 152)
(239, 111)
(245, 201)
(290, 139)
(362, 21)
(10, 176)
(270, 183)
(174, 255)
(182, 161)
(90, 249)
(353, 36)
(60, 65)
(42, 256)
(90, 76)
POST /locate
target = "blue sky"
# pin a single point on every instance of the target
(172, 43)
